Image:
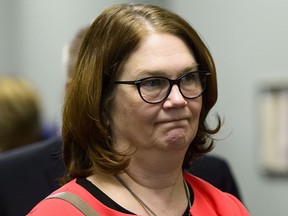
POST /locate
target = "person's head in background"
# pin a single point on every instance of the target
(20, 113)
(71, 53)
(87, 110)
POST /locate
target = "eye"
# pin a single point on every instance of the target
(153, 83)
(190, 77)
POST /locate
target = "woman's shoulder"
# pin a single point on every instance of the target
(213, 201)
(58, 206)
(49, 207)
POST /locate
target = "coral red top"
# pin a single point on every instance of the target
(207, 200)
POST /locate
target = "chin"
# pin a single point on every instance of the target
(177, 141)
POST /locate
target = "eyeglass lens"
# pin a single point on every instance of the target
(157, 89)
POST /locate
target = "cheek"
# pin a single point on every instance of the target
(127, 110)
(132, 118)
(196, 106)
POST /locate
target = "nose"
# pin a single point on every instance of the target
(175, 98)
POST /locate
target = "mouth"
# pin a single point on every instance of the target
(173, 120)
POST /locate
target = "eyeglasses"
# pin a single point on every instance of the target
(155, 90)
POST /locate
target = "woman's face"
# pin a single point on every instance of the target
(169, 125)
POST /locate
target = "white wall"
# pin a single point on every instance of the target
(248, 38)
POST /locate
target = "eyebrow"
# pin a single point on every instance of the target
(147, 73)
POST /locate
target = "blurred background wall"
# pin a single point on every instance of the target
(248, 39)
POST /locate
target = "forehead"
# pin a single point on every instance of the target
(159, 53)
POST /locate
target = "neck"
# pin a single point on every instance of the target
(157, 201)
(159, 187)
(150, 170)
(155, 181)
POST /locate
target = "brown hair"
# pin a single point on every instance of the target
(109, 41)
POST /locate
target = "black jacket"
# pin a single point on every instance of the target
(217, 172)
(28, 174)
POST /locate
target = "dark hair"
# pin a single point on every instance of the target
(109, 41)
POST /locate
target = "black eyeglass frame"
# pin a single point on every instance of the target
(203, 79)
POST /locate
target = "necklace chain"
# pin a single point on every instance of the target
(144, 205)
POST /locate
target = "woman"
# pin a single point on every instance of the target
(134, 119)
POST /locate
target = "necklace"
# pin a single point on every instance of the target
(144, 205)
